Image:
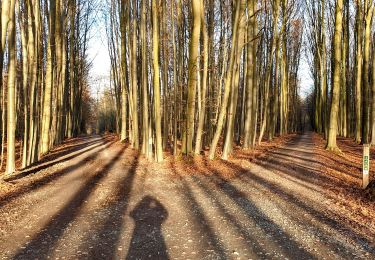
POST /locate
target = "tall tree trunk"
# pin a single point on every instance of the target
(33, 68)
(202, 112)
(72, 70)
(157, 110)
(366, 79)
(333, 124)
(175, 83)
(359, 62)
(345, 69)
(23, 17)
(47, 99)
(284, 74)
(123, 71)
(11, 118)
(250, 75)
(276, 13)
(193, 76)
(134, 92)
(144, 82)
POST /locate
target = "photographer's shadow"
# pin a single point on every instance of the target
(147, 241)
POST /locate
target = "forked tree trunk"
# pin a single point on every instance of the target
(232, 110)
(227, 84)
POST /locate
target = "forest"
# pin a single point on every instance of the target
(286, 84)
(186, 77)
(232, 79)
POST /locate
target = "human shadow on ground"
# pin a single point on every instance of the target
(147, 240)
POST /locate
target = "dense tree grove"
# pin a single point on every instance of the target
(341, 53)
(44, 72)
(185, 76)
(195, 75)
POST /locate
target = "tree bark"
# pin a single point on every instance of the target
(333, 124)
(202, 112)
(227, 85)
(157, 110)
(366, 79)
(193, 76)
(11, 118)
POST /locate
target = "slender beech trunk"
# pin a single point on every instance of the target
(134, 92)
(333, 124)
(193, 76)
(33, 67)
(202, 112)
(324, 87)
(284, 73)
(156, 87)
(175, 83)
(25, 80)
(250, 75)
(349, 87)
(358, 83)
(276, 13)
(144, 82)
(47, 99)
(11, 99)
(366, 67)
(72, 70)
(345, 70)
(123, 71)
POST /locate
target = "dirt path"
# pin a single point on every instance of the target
(103, 203)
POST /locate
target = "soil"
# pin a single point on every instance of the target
(95, 198)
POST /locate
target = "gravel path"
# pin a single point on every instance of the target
(103, 204)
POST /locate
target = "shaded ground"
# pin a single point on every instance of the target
(101, 200)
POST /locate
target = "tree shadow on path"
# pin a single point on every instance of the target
(57, 157)
(147, 239)
(103, 241)
(43, 243)
(46, 179)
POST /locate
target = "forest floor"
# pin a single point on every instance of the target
(95, 198)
